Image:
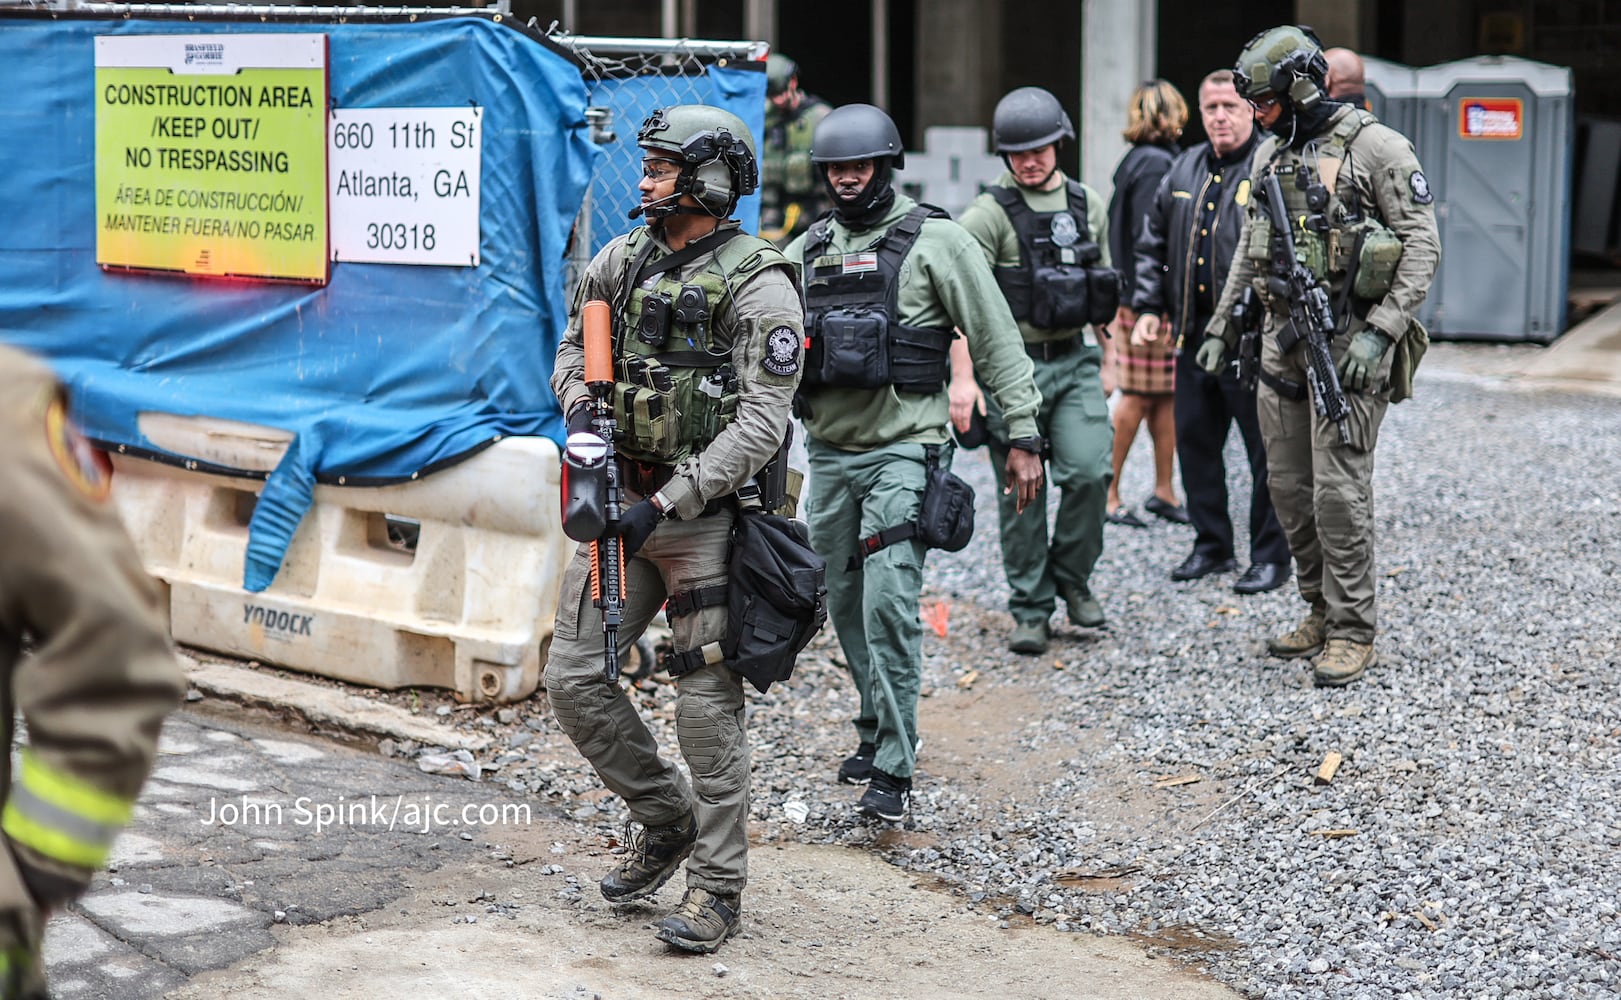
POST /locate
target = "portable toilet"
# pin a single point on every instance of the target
(1392, 90)
(1495, 136)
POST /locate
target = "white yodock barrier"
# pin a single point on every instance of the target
(469, 606)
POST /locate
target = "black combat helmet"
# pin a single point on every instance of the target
(859, 132)
(1028, 118)
(856, 132)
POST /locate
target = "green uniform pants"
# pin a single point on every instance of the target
(1323, 489)
(1074, 418)
(604, 722)
(874, 608)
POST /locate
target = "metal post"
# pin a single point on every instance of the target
(880, 53)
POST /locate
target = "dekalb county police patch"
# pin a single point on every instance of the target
(1421, 188)
(781, 352)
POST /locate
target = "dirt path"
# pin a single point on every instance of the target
(820, 923)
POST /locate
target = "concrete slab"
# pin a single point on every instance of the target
(144, 914)
(325, 708)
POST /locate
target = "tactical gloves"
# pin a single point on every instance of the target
(1211, 354)
(636, 524)
(579, 416)
(1361, 359)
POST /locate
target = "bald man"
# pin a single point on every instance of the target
(1345, 77)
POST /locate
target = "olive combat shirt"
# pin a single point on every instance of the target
(1383, 175)
(763, 299)
(945, 282)
(989, 224)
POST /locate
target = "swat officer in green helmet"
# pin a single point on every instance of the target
(707, 336)
(1361, 216)
(791, 194)
(1047, 238)
(886, 281)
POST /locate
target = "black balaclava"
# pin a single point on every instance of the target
(1297, 127)
(877, 198)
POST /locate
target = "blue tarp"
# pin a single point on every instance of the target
(387, 372)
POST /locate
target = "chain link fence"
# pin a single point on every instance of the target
(627, 78)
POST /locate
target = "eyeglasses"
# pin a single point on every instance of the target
(1264, 104)
(659, 170)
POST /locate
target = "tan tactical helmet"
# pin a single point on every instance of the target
(1286, 62)
(715, 150)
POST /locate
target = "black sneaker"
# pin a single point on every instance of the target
(887, 798)
(654, 854)
(857, 768)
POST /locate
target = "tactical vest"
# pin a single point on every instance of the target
(1059, 282)
(851, 305)
(786, 171)
(1329, 242)
(674, 386)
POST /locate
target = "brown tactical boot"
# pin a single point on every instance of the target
(653, 856)
(1304, 640)
(1342, 662)
(703, 921)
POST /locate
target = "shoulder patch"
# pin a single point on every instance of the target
(781, 352)
(87, 469)
(1421, 188)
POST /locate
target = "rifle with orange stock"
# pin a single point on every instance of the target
(590, 487)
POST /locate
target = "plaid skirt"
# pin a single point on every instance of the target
(1149, 370)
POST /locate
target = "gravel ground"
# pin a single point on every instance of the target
(1156, 778)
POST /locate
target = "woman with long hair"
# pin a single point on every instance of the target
(1145, 375)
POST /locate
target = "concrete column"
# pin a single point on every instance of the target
(959, 45)
(760, 21)
(1117, 54)
(1338, 23)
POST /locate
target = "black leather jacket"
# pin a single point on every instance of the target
(1163, 258)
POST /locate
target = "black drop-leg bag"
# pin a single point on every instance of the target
(776, 598)
(946, 518)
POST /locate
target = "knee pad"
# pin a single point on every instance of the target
(712, 743)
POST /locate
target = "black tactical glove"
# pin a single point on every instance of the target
(579, 418)
(636, 525)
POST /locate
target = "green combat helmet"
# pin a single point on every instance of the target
(779, 71)
(1285, 61)
(716, 153)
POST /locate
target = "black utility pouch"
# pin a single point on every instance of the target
(1061, 298)
(854, 350)
(1103, 295)
(946, 518)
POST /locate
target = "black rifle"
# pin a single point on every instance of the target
(1311, 316)
(607, 552)
(1246, 316)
